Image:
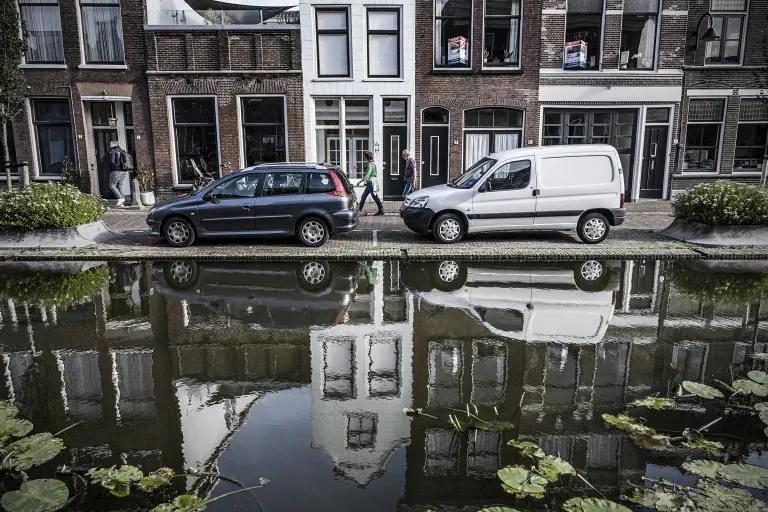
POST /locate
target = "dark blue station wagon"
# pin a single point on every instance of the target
(308, 201)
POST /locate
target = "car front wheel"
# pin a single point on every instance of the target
(448, 228)
(313, 232)
(179, 232)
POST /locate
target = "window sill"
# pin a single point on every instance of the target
(42, 66)
(182, 186)
(103, 66)
(501, 70)
(452, 71)
(333, 79)
(383, 79)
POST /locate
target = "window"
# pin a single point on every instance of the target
(53, 131)
(434, 115)
(728, 20)
(510, 176)
(264, 129)
(489, 130)
(242, 187)
(283, 183)
(345, 146)
(473, 174)
(638, 34)
(452, 45)
(583, 34)
(501, 33)
(42, 20)
(750, 146)
(361, 431)
(102, 31)
(332, 43)
(320, 182)
(196, 138)
(383, 43)
(702, 138)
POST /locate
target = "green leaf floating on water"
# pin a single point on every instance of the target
(551, 468)
(522, 483)
(116, 480)
(13, 427)
(711, 447)
(750, 387)
(662, 500)
(702, 390)
(707, 468)
(183, 503)
(593, 505)
(499, 509)
(713, 497)
(156, 479)
(8, 410)
(745, 474)
(655, 402)
(43, 495)
(758, 376)
(31, 451)
(628, 424)
(527, 448)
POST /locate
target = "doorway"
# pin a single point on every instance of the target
(111, 120)
(395, 135)
(654, 162)
(435, 132)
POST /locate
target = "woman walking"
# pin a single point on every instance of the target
(370, 186)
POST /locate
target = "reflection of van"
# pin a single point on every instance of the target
(541, 188)
(561, 304)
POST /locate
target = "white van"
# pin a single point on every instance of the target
(534, 188)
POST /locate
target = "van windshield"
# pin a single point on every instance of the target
(473, 174)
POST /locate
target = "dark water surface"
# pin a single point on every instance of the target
(299, 372)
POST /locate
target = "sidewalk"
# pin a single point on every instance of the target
(387, 237)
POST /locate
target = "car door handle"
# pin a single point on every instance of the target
(247, 207)
(536, 192)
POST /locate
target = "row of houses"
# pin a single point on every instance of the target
(675, 85)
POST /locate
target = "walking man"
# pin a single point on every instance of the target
(120, 164)
(410, 170)
(370, 183)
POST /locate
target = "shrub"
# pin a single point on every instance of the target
(146, 178)
(720, 287)
(44, 289)
(723, 203)
(48, 205)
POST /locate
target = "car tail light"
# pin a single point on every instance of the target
(338, 190)
(621, 200)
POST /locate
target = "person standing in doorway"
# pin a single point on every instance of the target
(410, 170)
(120, 164)
(369, 178)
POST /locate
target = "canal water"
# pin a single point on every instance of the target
(299, 373)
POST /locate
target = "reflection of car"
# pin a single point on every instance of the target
(564, 304)
(282, 295)
(308, 201)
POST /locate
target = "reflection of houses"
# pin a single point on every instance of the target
(361, 379)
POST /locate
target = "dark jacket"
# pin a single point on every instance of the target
(116, 159)
(410, 169)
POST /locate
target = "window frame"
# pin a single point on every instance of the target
(84, 61)
(369, 32)
(719, 148)
(435, 18)
(490, 130)
(33, 124)
(511, 66)
(242, 124)
(602, 39)
(342, 127)
(345, 32)
(172, 132)
(22, 24)
(726, 15)
(745, 170)
(656, 40)
(498, 166)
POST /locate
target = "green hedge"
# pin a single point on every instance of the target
(720, 287)
(62, 290)
(48, 205)
(723, 203)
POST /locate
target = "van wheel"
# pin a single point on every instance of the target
(448, 275)
(179, 232)
(448, 228)
(313, 232)
(593, 228)
(591, 276)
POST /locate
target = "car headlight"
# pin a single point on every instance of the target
(418, 202)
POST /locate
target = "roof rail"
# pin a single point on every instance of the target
(282, 164)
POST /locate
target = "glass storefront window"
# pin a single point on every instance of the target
(196, 137)
(264, 129)
(53, 130)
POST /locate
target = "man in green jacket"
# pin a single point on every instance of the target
(369, 177)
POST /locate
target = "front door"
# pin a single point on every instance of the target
(111, 121)
(101, 139)
(654, 162)
(434, 155)
(505, 200)
(395, 141)
(229, 208)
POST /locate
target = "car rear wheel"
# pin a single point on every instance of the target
(448, 228)
(314, 276)
(593, 228)
(313, 232)
(180, 274)
(179, 232)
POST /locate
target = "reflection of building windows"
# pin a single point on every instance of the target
(53, 131)
(42, 20)
(135, 383)
(441, 452)
(82, 383)
(610, 374)
(453, 33)
(483, 454)
(583, 34)
(702, 139)
(751, 136)
(489, 367)
(195, 137)
(339, 368)
(602, 452)
(332, 31)
(638, 34)
(561, 375)
(384, 365)
(689, 361)
(728, 21)
(501, 33)
(361, 431)
(489, 130)
(383, 43)
(102, 31)
(446, 363)
(264, 132)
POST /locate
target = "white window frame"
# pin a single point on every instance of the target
(448, 69)
(716, 170)
(171, 127)
(519, 64)
(81, 38)
(464, 129)
(743, 35)
(241, 132)
(342, 126)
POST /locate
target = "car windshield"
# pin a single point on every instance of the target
(473, 174)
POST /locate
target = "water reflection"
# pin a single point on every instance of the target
(288, 369)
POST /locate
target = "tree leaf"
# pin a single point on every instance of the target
(758, 376)
(527, 448)
(522, 483)
(707, 468)
(655, 402)
(32, 451)
(745, 474)
(42, 495)
(702, 390)
(750, 387)
(551, 468)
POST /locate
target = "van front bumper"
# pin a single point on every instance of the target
(417, 219)
(618, 214)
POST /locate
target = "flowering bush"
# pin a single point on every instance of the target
(48, 205)
(723, 203)
(44, 289)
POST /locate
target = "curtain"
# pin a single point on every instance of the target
(103, 32)
(44, 33)
(505, 141)
(646, 48)
(512, 46)
(477, 147)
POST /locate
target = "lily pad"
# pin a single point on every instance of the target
(31, 451)
(116, 480)
(761, 406)
(527, 448)
(707, 468)
(702, 390)
(628, 424)
(156, 479)
(655, 402)
(522, 483)
(593, 505)
(714, 497)
(42, 495)
(745, 474)
(8, 410)
(711, 447)
(750, 387)
(551, 468)
(13, 427)
(758, 376)
(499, 509)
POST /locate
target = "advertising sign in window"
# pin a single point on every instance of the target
(575, 55)
(457, 51)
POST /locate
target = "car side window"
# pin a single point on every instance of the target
(510, 176)
(320, 182)
(283, 183)
(242, 187)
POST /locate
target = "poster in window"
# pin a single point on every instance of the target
(576, 55)
(457, 51)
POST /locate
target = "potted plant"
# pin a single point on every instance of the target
(146, 184)
(507, 56)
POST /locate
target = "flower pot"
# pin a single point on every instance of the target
(147, 198)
